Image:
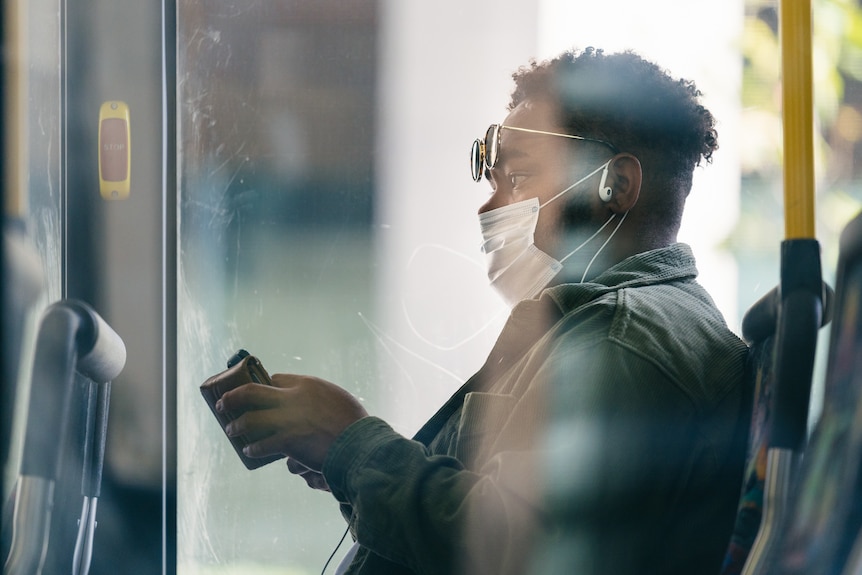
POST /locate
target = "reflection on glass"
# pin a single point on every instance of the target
(275, 120)
(328, 225)
(38, 212)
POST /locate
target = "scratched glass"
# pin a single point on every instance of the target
(307, 238)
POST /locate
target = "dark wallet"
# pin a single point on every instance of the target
(242, 368)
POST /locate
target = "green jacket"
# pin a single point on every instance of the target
(602, 430)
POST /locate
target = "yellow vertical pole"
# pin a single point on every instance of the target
(801, 307)
(795, 32)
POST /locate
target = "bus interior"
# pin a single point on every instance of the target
(183, 179)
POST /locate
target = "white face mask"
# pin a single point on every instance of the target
(518, 270)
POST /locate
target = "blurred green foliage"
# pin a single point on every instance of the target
(837, 91)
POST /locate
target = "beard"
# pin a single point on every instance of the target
(577, 223)
(577, 212)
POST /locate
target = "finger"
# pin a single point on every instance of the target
(316, 481)
(270, 445)
(246, 397)
(289, 380)
(296, 467)
(255, 425)
(313, 479)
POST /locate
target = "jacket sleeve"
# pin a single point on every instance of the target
(415, 508)
(432, 515)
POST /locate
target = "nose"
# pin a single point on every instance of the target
(496, 200)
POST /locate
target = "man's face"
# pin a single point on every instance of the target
(541, 166)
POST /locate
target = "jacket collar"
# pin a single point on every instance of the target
(533, 318)
(672, 263)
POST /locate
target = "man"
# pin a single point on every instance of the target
(610, 338)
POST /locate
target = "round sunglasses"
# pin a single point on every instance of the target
(485, 152)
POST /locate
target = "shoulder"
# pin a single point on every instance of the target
(681, 328)
(673, 330)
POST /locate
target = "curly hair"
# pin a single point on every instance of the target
(634, 104)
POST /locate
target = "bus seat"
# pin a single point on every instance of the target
(759, 329)
(750, 508)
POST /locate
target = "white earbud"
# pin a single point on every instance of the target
(605, 192)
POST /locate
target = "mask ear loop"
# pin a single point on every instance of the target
(585, 178)
(589, 239)
(610, 237)
(604, 168)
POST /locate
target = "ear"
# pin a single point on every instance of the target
(624, 177)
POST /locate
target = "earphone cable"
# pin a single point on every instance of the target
(334, 551)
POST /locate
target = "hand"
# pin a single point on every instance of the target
(314, 479)
(298, 416)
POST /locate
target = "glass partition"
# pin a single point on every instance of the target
(61, 62)
(33, 170)
(327, 220)
(275, 109)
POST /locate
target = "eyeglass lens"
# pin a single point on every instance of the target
(484, 152)
(492, 145)
(477, 158)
